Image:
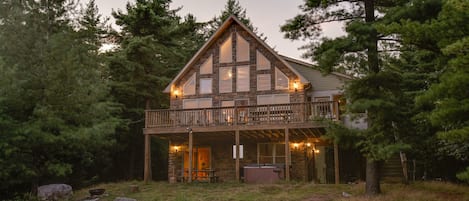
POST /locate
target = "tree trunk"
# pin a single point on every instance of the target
(372, 178)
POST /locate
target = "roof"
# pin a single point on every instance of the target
(317, 79)
(228, 22)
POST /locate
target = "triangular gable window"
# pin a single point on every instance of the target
(262, 62)
(281, 80)
(226, 51)
(206, 67)
(189, 86)
(242, 49)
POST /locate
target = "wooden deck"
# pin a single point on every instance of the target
(293, 115)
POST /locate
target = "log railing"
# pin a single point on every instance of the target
(242, 115)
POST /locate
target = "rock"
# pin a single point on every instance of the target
(346, 195)
(54, 192)
(124, 199)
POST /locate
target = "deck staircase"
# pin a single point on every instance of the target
(391, 170)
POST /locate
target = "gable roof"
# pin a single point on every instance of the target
(318, 80)
(228, 22)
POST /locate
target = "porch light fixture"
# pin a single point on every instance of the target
(316, 151)
(296, 145)
(176, 93)
(176, 148)
(295, 86)
(308, 144)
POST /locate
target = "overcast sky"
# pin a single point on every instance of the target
(266, 15)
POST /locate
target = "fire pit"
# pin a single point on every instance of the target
(96, 191)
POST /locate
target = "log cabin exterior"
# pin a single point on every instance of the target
(239, 111)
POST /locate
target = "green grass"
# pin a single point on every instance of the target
(155, 191)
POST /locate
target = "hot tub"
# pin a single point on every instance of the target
(266, 173)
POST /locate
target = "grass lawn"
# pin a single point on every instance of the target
(421, 191)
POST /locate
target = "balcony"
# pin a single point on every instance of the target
(242, 117)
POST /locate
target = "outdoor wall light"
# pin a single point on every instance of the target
(295, 86)
(316, 151)
(176, 148)
(176, 93)
(308, 144)
(296, 145)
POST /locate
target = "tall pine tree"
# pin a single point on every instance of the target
(55, 102)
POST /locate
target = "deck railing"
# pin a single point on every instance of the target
(242, 115)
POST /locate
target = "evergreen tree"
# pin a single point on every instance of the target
(232, 7)
(154, 45)
(376, 89)
(55, 108)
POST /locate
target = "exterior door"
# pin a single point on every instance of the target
(201, 163)
(242, 110)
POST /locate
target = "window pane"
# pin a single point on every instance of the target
(226, 85)
(281, 80)
(263, 82)
(242, 78)
(262, 62)
(242, 49)
(264, 99)
(206, 85)
(206, 67)
(226, 51)
(190, 103)
(189, 86)
(205, 103)
(281, 98)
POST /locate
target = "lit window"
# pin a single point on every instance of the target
(281, 80)
(226, 51)
(205, 85)
(262, 62)
(206, 67)
(242, 49)
(226, 84)
(189, 86)
(263, 82)
(242, 78)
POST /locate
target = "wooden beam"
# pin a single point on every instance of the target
(336, 163)
(237, 154)
(190, 156)
(287, 156)
(147, 165)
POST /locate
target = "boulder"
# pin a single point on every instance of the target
(55, 192)
(124, 199)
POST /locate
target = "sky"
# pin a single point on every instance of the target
(266, 15)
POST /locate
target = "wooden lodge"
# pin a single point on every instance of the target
(239, 111)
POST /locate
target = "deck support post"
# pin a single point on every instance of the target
(147, 161)
(237, 154)
(189, 179)
(336, 163)
(287, 156)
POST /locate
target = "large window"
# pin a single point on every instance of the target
(206, 67)
(226, 51)
(261, 61)
(226, 84)
(281, 80)
(263, 82)
(196, 117)
(242, 49)
(270, 153)
(242, 78)
(197, 103)
(273, 99)
(189, 86)
(205, 85)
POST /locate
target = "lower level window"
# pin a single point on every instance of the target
(270, 153)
